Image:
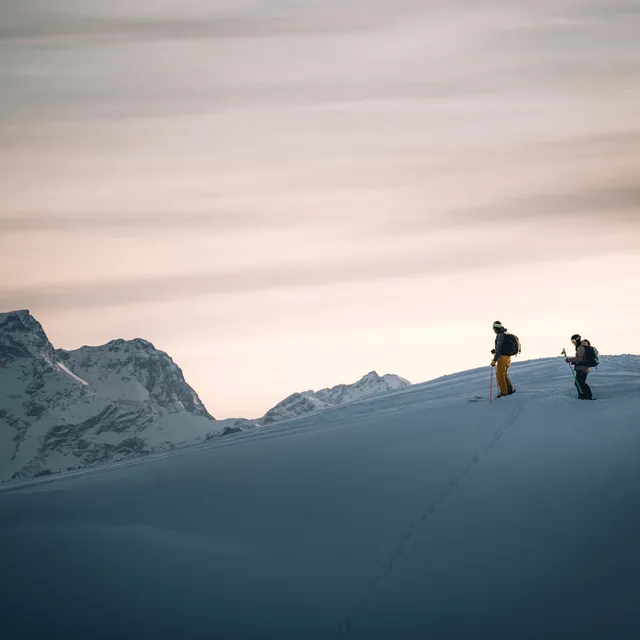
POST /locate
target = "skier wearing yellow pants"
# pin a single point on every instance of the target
(506, 345)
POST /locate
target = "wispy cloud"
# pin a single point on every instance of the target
(152, 222)
(196, 19)
(67, 19)
(469, 255)
(207, 61)
(616, 205)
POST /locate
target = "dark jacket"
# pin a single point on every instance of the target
(498, 347)
(581, 356)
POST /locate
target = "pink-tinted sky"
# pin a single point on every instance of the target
(285, 195)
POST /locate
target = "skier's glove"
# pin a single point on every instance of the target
(493, 350)
(567, 360)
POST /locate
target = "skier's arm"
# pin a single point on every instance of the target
(499, 341)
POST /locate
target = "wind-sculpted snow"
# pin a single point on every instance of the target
(427, 513)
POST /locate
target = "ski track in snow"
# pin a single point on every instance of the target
(347, 624)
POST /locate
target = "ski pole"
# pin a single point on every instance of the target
(490, 384)
(564, 353)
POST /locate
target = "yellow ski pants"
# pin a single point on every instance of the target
(502, 378)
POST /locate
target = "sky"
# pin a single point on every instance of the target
(285, 195)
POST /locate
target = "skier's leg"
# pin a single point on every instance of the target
(581, 378)
(506, 375)
(501, 374)
(586, 389)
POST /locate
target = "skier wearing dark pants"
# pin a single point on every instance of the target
(581, 366)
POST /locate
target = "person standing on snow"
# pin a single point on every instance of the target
(581, 364)
(507, 345)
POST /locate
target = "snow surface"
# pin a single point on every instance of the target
(426, 513)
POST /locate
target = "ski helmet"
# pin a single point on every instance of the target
(577, 337)
(497, 326)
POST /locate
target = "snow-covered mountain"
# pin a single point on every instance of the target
(62, 410)
(428, 513)
(67, 409)
(302, 403)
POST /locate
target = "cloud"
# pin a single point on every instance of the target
(604, 9)
(468, 253)
(438, 55)
(620, 200)
(614, 204)
(67, 20)
(615, 142)
(149, 222)
(607, 206)
(412, 51)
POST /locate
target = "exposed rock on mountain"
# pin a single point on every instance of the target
(68, 409)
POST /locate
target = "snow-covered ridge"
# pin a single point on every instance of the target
(134, 370)
(305, 402)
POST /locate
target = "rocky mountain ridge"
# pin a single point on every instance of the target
(305, 402)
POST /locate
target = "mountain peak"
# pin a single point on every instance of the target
(119, 344)
(310, 401)
(390, 380)
(134, 370)
(20, 319)
(15, 313)
(21, 335)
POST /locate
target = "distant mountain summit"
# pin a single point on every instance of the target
(21, 336)
(67, 409)
(305, 402)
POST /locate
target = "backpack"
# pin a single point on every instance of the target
(510, 345)
(591, 356)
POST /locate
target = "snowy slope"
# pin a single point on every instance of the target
(299, 404)
(420, 514)
(68, 409)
